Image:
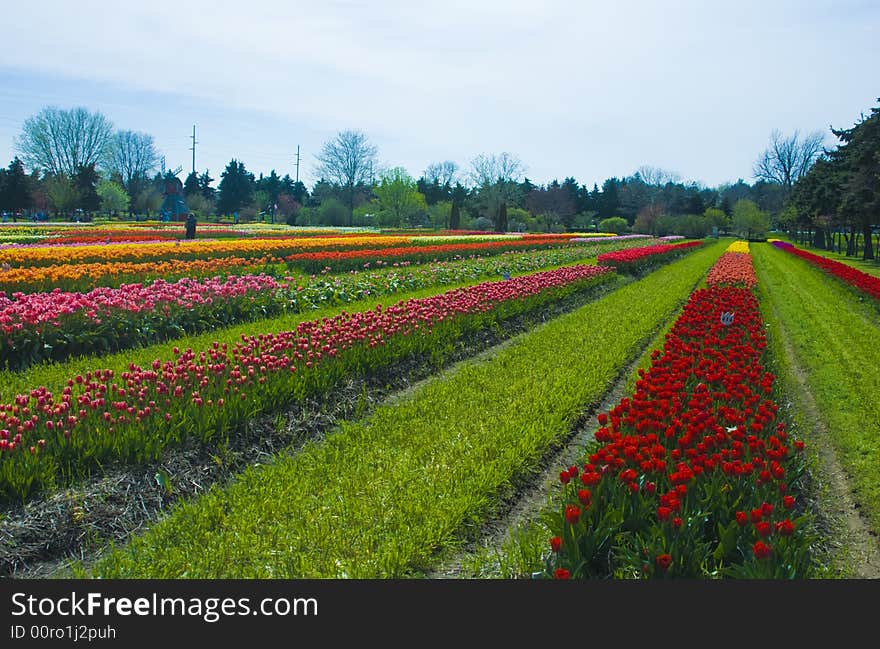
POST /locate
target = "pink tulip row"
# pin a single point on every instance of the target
(35, 308)
(101, 416)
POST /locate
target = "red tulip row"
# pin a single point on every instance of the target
(101, 416)
(852, 276)
(692, 475)
(637, 260)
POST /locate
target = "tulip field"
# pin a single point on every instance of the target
(693, 389)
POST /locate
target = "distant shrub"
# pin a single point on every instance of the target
(615, 224)
(481, 223)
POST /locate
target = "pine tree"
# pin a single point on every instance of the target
(16, 191)
(191, 185)
(236, 188)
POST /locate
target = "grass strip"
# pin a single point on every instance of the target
(834, 336)
(379, 498)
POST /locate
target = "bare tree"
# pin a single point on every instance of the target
(488, 169)
(347, 160)
(64, 141)
(443, 173)
(497, 178)
(657, 176)
(133, 156)
(788, 158)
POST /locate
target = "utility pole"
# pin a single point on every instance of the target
(193, 147)
(297, 163)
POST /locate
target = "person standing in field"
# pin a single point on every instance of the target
(191, 226)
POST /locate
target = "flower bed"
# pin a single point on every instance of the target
(343, 260)
(72, 277)
(196, 395)
(636, 260)
(691, 476)
(56, 324)
(733, 268)
(187, 250)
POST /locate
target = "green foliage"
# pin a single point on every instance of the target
(520, 220)
(147, 201)
(716, 218)
(439, 214)
(63, 195)
(614, 224)
(398, 201)
(199, 205)
(749, 221)
(191, 186)
(481, 223)
(331, 212)
(114, 198)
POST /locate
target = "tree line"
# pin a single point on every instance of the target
(79, 164)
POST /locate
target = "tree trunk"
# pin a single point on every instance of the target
(869, 242)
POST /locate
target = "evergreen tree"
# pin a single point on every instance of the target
(609, 201)
(205, 188)
(458, 195)
(859, 160)
(236, 188)
(272, 185)
(86, 183)
(16, 187)
(570, 185)
(191, 185)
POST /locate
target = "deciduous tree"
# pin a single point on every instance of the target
(788, 158)
(114, 198)
(133, 156)
(64, 141)
(398, 199)
(348, 160)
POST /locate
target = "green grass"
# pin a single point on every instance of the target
(835, 338)
(380, 498)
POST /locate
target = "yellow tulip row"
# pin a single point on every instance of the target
(183, 250)
(738, 246)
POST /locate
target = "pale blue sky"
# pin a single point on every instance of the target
(589, 89)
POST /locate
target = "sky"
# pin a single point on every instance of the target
(589, 89)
